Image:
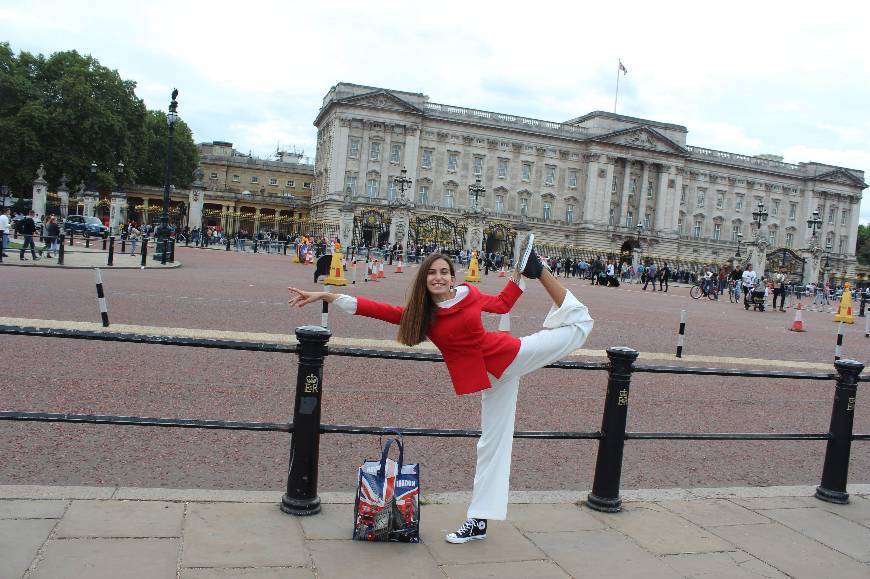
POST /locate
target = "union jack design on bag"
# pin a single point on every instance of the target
(388, 499)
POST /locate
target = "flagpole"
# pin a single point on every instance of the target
(616, 96)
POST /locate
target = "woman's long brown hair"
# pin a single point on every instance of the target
(420, 307)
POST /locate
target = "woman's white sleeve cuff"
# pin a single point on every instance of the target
(346, 303)
(521, 283)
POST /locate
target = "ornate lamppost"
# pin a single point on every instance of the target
(637, 247)
(759, 217)
(90, 196)
(163, 230)
(814, 249)
(400, 208)
(475, 216)
(739, 239)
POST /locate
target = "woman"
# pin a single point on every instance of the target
(477, 360)
(51, 237)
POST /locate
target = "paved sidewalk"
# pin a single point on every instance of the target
(96, 532)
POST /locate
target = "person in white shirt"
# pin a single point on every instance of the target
(4, 231)
(748, 280)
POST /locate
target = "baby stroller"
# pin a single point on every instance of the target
(756, 298)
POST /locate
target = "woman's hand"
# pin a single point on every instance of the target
(301, 298)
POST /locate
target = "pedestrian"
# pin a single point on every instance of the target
(27, 227)
(650, 275)
(450, 316)
(4, 230)
(51, 236)
(747, 281)
(134, 235)
(664, 275)
(779, 288)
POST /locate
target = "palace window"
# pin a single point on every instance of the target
(350, 183)
(237, 178)
(273, 181)
(702, 197)
(499, 203)
(792, 211)
(551, 175)
(524, 206)
(843, 216)
(717, 231)
(613, 185)
(502, 168)
(452, 162)
(375, 151)
(545, 213)
(610, 217)
(372, 188)
(291, 183)
(629, 218)
(680, 225)
(632, 187)
(449, 198)
(527, 171)
(255, 179)
(696, 232)
(774, 208)
(353, 148)
(424, 195)
(395, 153)
(735, 231)
(683, 194)
(842, 244)
(569, 214)
(572, 179)
(720, 200)
(426, 160)
(738, 203)
(391, 189)
(646, 221)
(831, 214)
(789, 239)
(649, 189)
(771, 238)
(306, 185)
(829, 242)
(478, 166)
(213, 176)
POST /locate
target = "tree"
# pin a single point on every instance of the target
(185, 157)
(67, 111)
(862, 250)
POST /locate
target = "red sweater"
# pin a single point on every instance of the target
(469, 351)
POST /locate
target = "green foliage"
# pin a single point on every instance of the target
(67, 111)
(862, 251)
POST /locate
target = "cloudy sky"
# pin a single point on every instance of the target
(786, 78)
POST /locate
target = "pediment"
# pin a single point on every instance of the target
(841, 177)
(381, 99)
(643, 138)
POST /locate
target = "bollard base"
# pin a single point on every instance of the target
(300, 507)
(603, 505)
(829, 496)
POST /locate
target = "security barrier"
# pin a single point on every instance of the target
(301, 496)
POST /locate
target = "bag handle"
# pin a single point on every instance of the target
(398, 440)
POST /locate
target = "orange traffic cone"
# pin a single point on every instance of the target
(798, 324)
(501, 272)
(381, 270)
(399, 266)
(373, 271)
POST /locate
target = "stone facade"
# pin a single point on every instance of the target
(586, 182)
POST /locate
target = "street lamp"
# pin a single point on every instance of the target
(163, 230)
(760, 215)
(477, 189)
(815, 222)
(739, 239)
(403, 183)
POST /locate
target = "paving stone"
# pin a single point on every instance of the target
(857, 510)
(24, 509)
(242, 535)
(792, 553)
(250, 573)
(827, 528)
(333, 522)
(133, 519)
(382, 560)
(730, 565)
(661, 531)
(109, 559)
(548, 518)
(762, 503)
(19, 542)
(52, 492)
(516, 570)
(714, 512)
(601, 554)
(196, 495)
(503, 543)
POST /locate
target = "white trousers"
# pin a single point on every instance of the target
(566, 328)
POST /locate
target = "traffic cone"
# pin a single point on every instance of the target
(501, 272)
(798, 324)
(381, 270)
(399, 266)
(336, 271)
(373, 271)
(844, 313)
(473, 269)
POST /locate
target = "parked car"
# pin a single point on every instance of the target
(82, 223)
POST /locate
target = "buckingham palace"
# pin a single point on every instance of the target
(601, 182)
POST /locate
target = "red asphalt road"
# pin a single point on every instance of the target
(228, 291)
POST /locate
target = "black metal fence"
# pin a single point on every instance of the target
(301, 497)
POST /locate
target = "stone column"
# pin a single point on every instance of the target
(474, 234)
(195, 199)
(400, 227)
(589, 202)
(145, 217)
(256, 221)
(90, 199)
(345, 224)
(63, 193)
(663, 200)
(626, 188)
(641, 204)
(675, 210)
(40, 192)
(412, 152)
(117, 211)
(338, 162)
(855, 210)
(606, 200)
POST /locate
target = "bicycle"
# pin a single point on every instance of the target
(698, 290)
(734, 292)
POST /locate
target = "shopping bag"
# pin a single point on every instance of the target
(387, 506)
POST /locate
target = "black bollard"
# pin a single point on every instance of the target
(123, 244)
(228, 243)
(87, 240)
(301, 497)
(836, 469)
(164, 250)
(60, 249)
(111, 250)
(172, 251)
(255, 245)
(71, 235)
(144, 251)
(608, 466)
(104, 244)
(285, 253)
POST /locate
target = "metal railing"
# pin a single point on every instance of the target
(301, 496)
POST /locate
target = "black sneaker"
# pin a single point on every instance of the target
(529, 264)
(471, 530)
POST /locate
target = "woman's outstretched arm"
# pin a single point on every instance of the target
(359, 306)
